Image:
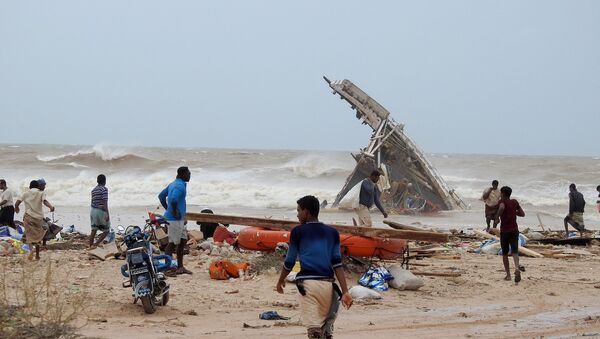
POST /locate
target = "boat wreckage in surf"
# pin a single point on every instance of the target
(410, 184)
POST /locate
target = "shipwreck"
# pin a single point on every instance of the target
(410, 184)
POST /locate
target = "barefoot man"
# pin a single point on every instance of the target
(490, 197)
(576, 207)
(369, 196)
(318, 248)
(99, 217)
(172, 198)
(33, 218)
(508, 210)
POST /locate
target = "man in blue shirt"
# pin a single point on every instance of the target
(318, 248)
(369, 196)
(172, 198)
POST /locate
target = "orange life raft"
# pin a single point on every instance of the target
(260, 239)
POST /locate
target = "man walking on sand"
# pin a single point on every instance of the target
(7, 205)
(508, 210)
(318, 248)
(491, 197)
(172, 198)
(99, 216)
(369, 195)
(575, 216)
(34, 216)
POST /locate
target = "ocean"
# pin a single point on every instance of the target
(268, 182)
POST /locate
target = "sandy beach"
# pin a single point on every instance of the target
(556, 299)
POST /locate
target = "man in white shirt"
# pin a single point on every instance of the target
(7, 208)
(33, 218)
(491, 198)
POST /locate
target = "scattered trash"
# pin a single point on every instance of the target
(359, 292)
(403, 279)
(376, 278)
(272, 315)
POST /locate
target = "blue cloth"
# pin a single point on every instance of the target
(318, 247)
(369, 194)
(175, 192)
(272, 315)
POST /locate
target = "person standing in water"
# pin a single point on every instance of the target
(369, 195)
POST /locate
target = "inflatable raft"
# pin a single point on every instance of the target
(260, 239)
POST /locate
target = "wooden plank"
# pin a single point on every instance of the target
(399, 226)
(437, 274)
(288, 225)
(522, 250)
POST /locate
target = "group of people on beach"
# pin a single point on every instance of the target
(501, 209)
(314, 244)
(34, 201)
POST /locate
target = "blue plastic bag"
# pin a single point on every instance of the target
(376, 278)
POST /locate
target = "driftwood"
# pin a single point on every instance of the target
(437, 274)
(288, 225)
(399, 226)
(522, 250)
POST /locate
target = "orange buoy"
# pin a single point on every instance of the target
(260, 239)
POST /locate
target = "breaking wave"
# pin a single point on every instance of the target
(97, 156)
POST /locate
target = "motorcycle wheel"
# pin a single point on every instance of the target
(148, 304)
(164, 300)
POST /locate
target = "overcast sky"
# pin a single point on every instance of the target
(509, 77)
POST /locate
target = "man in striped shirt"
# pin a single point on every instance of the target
(99, 216)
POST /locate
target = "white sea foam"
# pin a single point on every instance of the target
(270, 179)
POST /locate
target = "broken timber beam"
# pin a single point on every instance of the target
(288, 225)
(400, 226)
(522, 250)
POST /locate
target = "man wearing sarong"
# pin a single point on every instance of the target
(318, 248)
(491, 197)
(33, 218)
(99, 216)
(575, 216)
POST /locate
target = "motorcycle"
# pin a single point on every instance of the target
(145, 271)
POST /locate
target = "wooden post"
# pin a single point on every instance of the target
(522, 250)
(288, 225)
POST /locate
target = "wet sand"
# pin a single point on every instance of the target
(556, 298)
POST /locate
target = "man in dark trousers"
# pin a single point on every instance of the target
(318, 248)
(508, 211)
(172, 198)
(7, 205)
(369, 195)
(575, 216)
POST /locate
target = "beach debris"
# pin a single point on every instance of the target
(224, 269)
(410, 183)
(288, 225)
(376, 277)
(191, 312)
(101, 253)
(362, 293)
(522, 250)
(246, 325)
(404, 279)
(272, 315)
